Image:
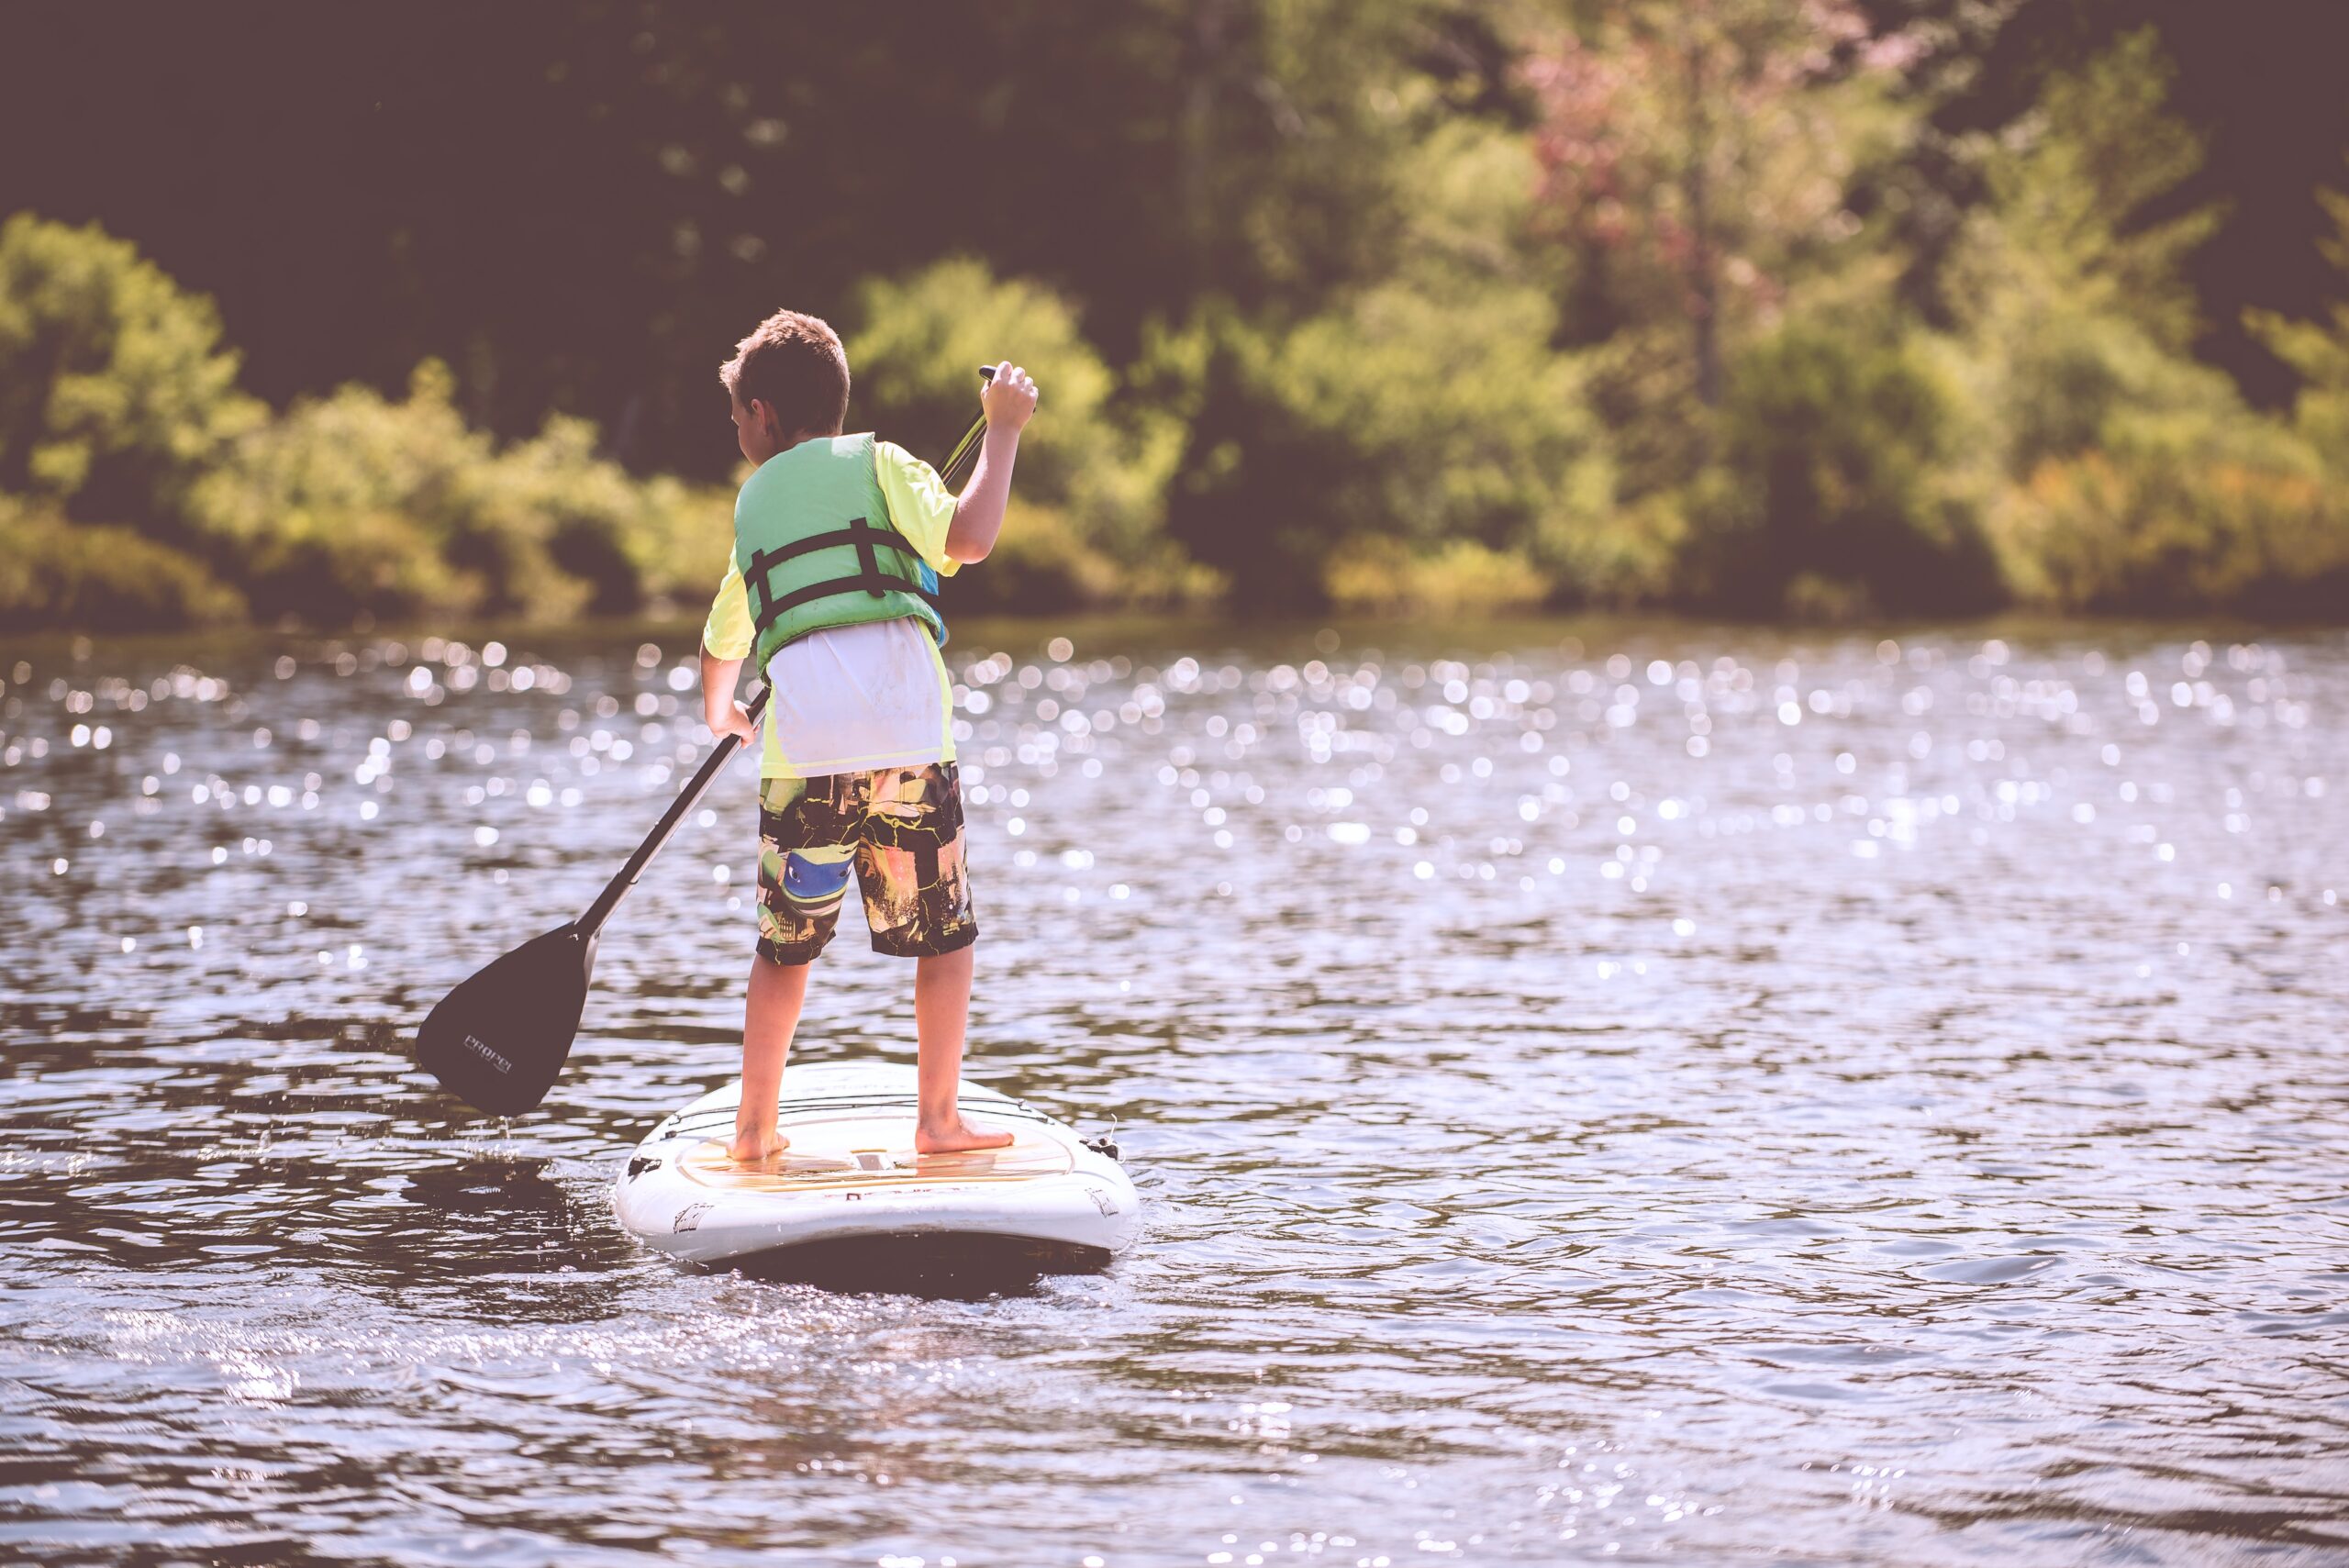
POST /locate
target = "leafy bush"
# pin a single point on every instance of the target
(1618, 557)
(1401, 415)
(351, 503)
(2070, 319)
(2180, 518)
(1423, 424)
(1099, 467)
(2319, 351)
(113, 392)
(633, 541)
(1837, 442)
(55, 573)
(1382, 574)
(355, 505)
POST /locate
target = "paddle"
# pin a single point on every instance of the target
(966, 450)
(499, 1039)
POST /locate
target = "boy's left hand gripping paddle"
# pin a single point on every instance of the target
(498, 1041)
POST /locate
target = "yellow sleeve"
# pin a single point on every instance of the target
(920, 506)
(727, 633)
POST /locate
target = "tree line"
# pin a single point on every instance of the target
(1834, 309)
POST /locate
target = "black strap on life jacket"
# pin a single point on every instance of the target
(869, 576)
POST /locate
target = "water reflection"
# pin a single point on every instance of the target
(1600, 1091)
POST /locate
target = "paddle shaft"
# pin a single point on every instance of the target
(712, 765)
(967, 450)
(598, 912)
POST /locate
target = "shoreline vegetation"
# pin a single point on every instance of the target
(1561, 388)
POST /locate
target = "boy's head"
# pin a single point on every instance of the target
(788, 380)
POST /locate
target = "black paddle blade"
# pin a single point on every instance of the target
(498, 1041)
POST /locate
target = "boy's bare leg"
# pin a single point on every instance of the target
(777, 992)
(941, 1012)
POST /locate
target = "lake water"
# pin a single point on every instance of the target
(1625, 1093)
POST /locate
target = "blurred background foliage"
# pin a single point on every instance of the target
(1820, 309)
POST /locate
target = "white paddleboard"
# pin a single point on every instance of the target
(851, 1172)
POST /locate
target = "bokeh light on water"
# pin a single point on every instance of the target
(1625, 1093)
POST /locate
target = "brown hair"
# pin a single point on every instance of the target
(796, 365)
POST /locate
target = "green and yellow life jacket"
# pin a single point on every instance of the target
(816, 550)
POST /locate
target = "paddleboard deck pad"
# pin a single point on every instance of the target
(852, 1175)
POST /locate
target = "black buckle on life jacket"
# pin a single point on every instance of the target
(869, 576)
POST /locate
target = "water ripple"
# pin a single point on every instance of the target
(1628, 1093)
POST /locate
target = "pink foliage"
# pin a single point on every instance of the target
(1658, 101)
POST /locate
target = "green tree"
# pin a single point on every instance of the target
(1420, 425)
(1087, 508)
(341, 506)
(2319, 351)
(354, 504)
(2125, 475)
(2072, 322)
(1697, 163)
(114, 393)
(1834, 492)
(96, 577)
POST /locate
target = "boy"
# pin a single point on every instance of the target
(838, 543)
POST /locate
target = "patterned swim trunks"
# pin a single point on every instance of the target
(900, 829)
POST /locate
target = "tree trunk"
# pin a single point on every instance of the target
(1704, 289)
(1204, 68)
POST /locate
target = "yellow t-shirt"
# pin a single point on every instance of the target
(857, 697)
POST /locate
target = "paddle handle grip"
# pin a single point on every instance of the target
(966, 450)
(712, 765)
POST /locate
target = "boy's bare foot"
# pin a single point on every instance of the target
(746, 1151)
(956, 1137)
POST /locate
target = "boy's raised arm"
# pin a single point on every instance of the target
(1009, 400)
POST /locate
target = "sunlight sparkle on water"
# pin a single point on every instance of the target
(1692, 1044)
